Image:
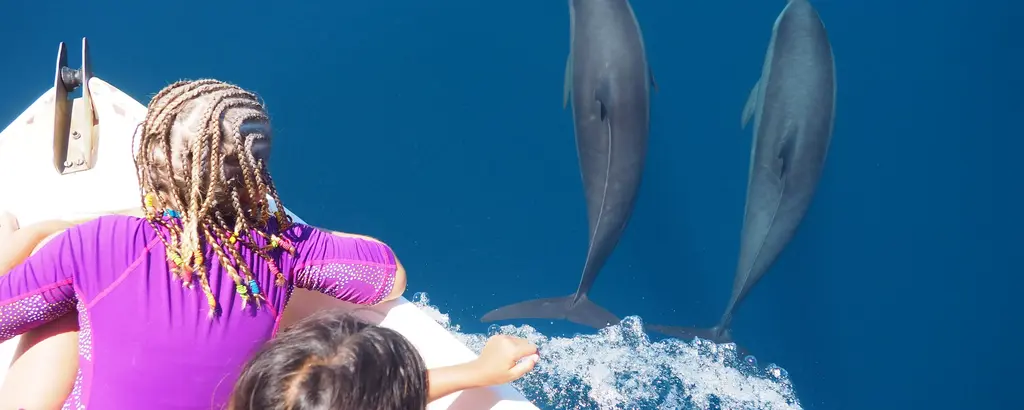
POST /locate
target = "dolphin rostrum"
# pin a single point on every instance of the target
(608, 78)
(793, 106)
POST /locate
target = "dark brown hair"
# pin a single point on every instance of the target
(202, 166)
(332, 361)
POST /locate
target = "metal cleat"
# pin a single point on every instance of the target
(75, 126)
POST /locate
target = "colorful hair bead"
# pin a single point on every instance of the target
(242, 292)
(279, 242)
(148, 202)
(235, 234)
(170, 213)
(287, 246)
(254, 287)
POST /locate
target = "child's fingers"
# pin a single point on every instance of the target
(524, 348)
(524, 366)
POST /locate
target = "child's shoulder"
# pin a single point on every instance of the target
(297, 231)
(112, 223)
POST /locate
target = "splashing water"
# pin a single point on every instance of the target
(619, 368)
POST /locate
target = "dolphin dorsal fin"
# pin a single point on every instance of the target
(751, 105)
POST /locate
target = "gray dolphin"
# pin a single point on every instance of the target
(793, 106)
(609, 80)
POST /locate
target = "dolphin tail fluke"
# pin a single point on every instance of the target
(583, 312)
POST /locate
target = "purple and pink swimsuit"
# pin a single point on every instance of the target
(148, 342)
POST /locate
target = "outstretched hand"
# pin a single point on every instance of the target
(504, 359)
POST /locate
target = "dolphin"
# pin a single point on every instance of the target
(610, 83)
(793, 106)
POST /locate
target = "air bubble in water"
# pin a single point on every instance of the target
(777, 372)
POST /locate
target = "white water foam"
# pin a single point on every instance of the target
(620, 368)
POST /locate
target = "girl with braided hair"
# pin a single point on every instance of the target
(172, 304)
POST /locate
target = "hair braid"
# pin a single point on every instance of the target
(191, 129)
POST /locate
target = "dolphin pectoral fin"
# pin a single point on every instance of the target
(567, 87)
(584, 312)
(650, 73)
(601, 95)
(750, 106)
(785, 156)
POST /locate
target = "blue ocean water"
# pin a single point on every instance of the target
(438, 127)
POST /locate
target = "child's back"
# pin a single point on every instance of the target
(146, 341)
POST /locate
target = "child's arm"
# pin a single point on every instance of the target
(450, 379)
(399, 288)
(503, 359)
(347, 267)
(23, 241)
(40, 289)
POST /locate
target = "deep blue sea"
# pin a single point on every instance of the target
(438, 127)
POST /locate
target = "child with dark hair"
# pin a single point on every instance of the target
(333, 361)
(171, 305)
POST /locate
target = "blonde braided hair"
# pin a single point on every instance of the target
(202, 170)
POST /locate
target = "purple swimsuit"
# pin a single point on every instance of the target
(146, 341)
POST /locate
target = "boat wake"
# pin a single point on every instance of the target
(620, 368)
